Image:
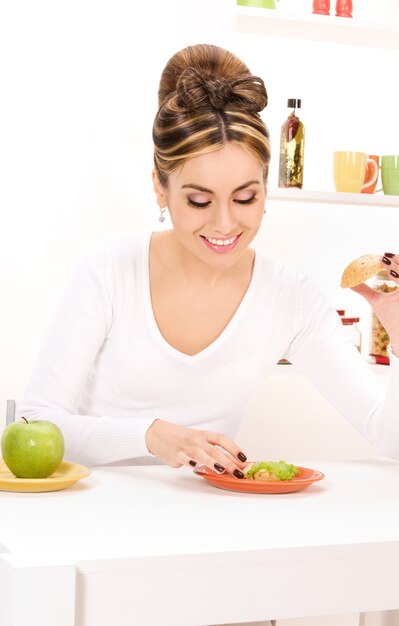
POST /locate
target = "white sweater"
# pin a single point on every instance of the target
(105, 371)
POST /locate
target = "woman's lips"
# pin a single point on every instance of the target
(221, 246)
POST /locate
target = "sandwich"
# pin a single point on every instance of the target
(361, 269)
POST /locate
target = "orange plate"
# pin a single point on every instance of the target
(226, 481)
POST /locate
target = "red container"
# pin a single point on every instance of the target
(344, 8)
(321, 7)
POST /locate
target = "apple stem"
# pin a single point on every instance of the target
(24, 418)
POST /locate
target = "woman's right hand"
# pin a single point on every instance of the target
(177, 445)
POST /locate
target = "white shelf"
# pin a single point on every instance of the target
(291, 370)
(332, 197)
(325, 28)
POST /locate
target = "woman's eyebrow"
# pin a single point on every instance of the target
(247, 184)
(198, 187)
(205, 190)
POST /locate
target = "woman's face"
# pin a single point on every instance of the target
(216, 203)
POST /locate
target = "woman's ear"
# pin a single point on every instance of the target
(159, 190)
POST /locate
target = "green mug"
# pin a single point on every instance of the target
(390, 175)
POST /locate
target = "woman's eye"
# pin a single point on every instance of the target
(203, 203)
(248, 200)
(198, 205)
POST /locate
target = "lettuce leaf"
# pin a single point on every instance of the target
(279, 469)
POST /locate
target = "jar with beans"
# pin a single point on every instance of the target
(379, 338)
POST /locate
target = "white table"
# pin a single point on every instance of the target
(154, 546)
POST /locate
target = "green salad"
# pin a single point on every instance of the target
(271, 470)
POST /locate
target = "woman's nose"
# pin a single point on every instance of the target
(224, 220)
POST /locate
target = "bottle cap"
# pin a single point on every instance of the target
(293, 103)
(349, 320)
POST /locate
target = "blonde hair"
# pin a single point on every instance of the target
(207, 97)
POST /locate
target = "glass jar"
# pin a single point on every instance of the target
(350, 325)
(379, 338)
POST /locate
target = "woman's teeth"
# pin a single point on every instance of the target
(221, 242)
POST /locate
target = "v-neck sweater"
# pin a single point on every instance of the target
(105, 371)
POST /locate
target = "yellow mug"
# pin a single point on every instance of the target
(350, 170)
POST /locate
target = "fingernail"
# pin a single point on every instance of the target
(219, 467)
(390, 255)
(241, 456)
(238, 474)
(394, 274)
(386, 260)
(193, 463)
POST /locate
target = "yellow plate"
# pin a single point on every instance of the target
(66, 475)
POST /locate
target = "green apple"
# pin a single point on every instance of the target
(32, 449)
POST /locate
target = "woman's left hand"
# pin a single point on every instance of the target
(386, 305)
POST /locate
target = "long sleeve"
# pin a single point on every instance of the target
(323, 352)
(74, 341)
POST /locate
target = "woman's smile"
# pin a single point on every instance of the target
(219, 245)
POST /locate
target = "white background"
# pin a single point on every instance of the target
(78, 96)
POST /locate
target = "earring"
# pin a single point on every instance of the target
(161, 217)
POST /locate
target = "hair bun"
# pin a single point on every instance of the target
(194, 91)
(220, 92)
(251, 92)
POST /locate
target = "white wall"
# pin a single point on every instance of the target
(290, 419)
(79, 80)
(79, 83)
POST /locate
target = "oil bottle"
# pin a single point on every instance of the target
(292, 147)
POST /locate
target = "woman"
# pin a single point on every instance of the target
(162, 339)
